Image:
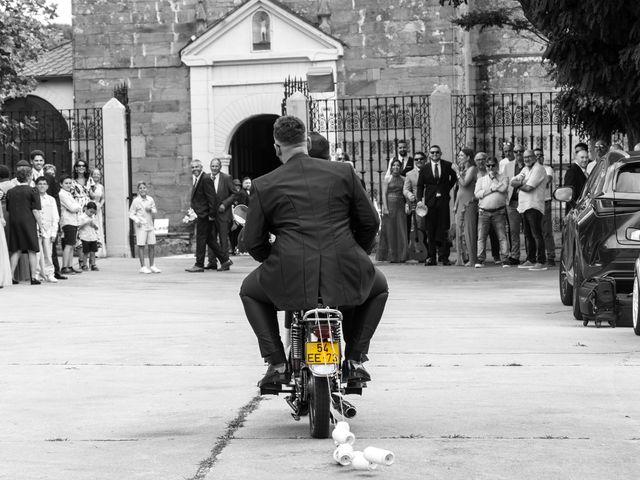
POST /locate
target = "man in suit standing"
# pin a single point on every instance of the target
(225, 195)
(576, 177)
(204, 204)
(325, 227)
(410, 191)
(435, 181)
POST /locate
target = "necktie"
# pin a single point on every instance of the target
(215, 188)
(437, 174)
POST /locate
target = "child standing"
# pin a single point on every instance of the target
(50, 219)
(88, 233)
(142, 211)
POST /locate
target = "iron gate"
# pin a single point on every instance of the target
(369, 129)
(65, 136)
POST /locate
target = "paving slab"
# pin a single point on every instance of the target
(478, 373)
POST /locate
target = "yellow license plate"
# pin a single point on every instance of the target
(322, 353)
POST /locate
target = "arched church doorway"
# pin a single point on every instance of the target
(251, 148)
(48, 131)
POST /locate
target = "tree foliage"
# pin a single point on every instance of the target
(22, 38)
(593, 50)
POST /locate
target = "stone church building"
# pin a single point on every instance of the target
(206, 78)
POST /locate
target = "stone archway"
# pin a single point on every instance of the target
(251, 147)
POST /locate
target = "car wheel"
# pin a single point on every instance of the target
(577, 282)
(566, 290)
(634, 305)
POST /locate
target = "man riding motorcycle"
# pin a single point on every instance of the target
(324, 227)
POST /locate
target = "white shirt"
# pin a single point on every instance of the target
(549, 187)
(491, 200)
(216, 179)
(536, 177)
(69, 208)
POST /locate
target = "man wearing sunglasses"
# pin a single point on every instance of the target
(435, 181)
(410, 190)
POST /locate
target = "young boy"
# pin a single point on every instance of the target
(142, 211)
(88, 233)
(50, 218)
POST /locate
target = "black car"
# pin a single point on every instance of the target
(596, 241)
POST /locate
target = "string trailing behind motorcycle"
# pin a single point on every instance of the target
(315, 358)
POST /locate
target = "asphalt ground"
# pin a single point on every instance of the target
(477, 373)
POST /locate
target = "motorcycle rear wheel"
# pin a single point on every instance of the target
(319, 400)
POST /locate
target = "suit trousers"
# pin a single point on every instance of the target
(437, 221)
(222, 230)
(205, 235)
(359, 322)
(534, 241)
(514, 222)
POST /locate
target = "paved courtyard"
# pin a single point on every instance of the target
(477, 374)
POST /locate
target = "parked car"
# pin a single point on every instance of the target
(635, 308)
(596, 244)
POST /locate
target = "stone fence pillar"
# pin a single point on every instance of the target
(297, 106)
(442, 133)
(116, 179)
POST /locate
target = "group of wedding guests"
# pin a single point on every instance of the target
(38, 209)
(492, 199)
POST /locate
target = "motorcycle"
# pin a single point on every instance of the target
(315, 357)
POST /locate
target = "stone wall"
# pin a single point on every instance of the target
(137, 42)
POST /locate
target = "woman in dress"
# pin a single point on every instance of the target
(393, 234)
(96, 192)
(466, 209)
(23, 206)
(81, 188)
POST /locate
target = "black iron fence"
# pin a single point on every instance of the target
(369, 129)
(532, 120)
(65, 136)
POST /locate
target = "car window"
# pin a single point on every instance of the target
(628, 180)
(594, 177)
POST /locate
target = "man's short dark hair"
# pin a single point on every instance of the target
(289, 130)
(319, 146)
(33, 154)
(42, 178)
(580, 146)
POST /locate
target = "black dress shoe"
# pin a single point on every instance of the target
(59, 276)
(446, 263)
(14, 282)
(277, 374)
(35, 281)
(353, 371)
(429, 262)
(195, 268)
(211, 266)
(225, 266)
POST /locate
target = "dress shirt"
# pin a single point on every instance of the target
(491, 200)
(195, 179)
(536, 177)
(216, 179)
(49, 215)
(549, 187)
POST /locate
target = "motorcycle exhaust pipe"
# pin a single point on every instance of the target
(344, 407)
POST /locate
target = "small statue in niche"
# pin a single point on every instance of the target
(261, 33)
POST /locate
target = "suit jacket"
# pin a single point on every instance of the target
(428, 187)
(225, 195)
(405, 169)
(575, 178)
(242, 197)
(509, 171)
(203, 198)
(325, 226)
(411, 184)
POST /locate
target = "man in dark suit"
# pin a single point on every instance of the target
(435, 181)
(225, 195)
(324, 227)
(204, 204)
(576, 177)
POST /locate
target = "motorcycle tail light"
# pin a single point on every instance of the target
(322, 331)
